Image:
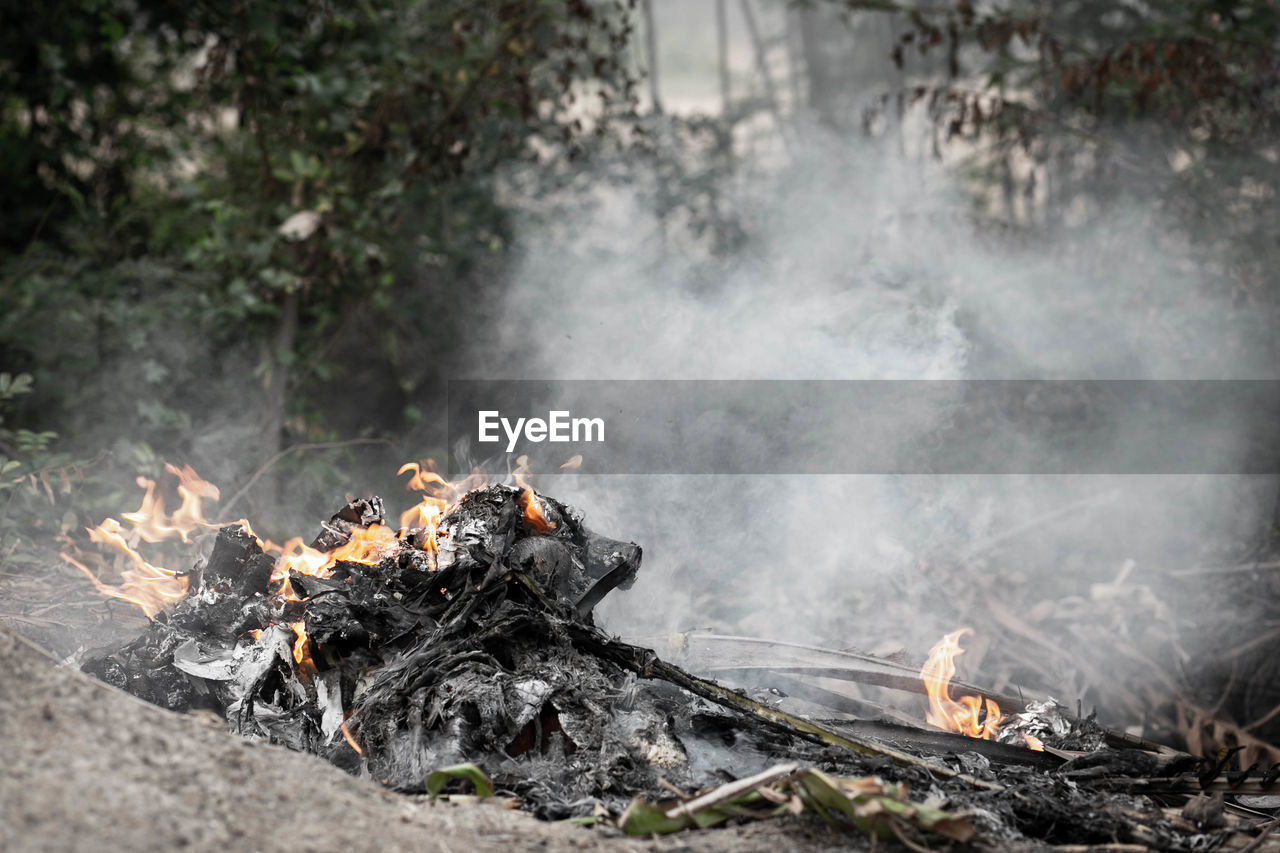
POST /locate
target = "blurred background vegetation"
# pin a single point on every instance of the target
(258, 237)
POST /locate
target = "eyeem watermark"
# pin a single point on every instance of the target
(560, 426)
(942, 427)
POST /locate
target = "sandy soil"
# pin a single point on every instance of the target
(87, 767)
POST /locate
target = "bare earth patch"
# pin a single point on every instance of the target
(88, 767)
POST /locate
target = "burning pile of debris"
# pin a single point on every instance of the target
(464, 639)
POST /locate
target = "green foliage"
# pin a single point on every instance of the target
(211, 206)
(467, 772)
(870, 806)
(26, 489)
(18, 447)
(1067, 110)
(66, 142)
(369, 136)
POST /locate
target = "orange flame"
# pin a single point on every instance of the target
(151, 524)
(440, 498)
(529, 500)
(432, 508)
(302, 650)
(303, 559)
(368, 545)
(300, 644)
(965, 715)
(153, 588)
(1033, 742)
(148, 521)
(150, 587)
(192, 489)
(350, 738)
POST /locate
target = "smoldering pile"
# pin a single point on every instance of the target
(405, 655)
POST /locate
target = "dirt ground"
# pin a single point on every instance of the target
(88, 767)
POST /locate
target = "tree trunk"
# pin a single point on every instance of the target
(651, 50)
(822, 85)
(722, 43)
(762, 66)
(277, 390)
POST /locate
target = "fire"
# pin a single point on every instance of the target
(1033, 742)
(302, 650)
(350, 738)
(298, 557)
(431, 509)
(441, 497)
(153, 587)
(150, 524)
(529, 501)
(965, 715)
(147, 520)
(300, 644)
(368, 545)
(303, 559)
(150, 587)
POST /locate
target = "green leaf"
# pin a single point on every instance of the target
(111, 29)
(868, 805)
(589, 820)
(12, 386)
(822, 795)
(468, 772)
(956, 827)
(645, 818)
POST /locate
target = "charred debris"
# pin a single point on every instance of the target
(477, 646)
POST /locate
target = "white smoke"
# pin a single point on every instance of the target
(865, 265)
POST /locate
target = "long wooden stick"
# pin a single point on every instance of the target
(646, 664)
(800, 660)
(727, 792)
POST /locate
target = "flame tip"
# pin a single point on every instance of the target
(153, 587)
(966, 714)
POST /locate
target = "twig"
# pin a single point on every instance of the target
(1265, 718)
(1187, 785)
(822, 662)
(1222, 570)
(1260, 640)
(39, 650)
(993, 542)
(732, 789)
(288, 451)
(1260, 840)
(902, 837)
